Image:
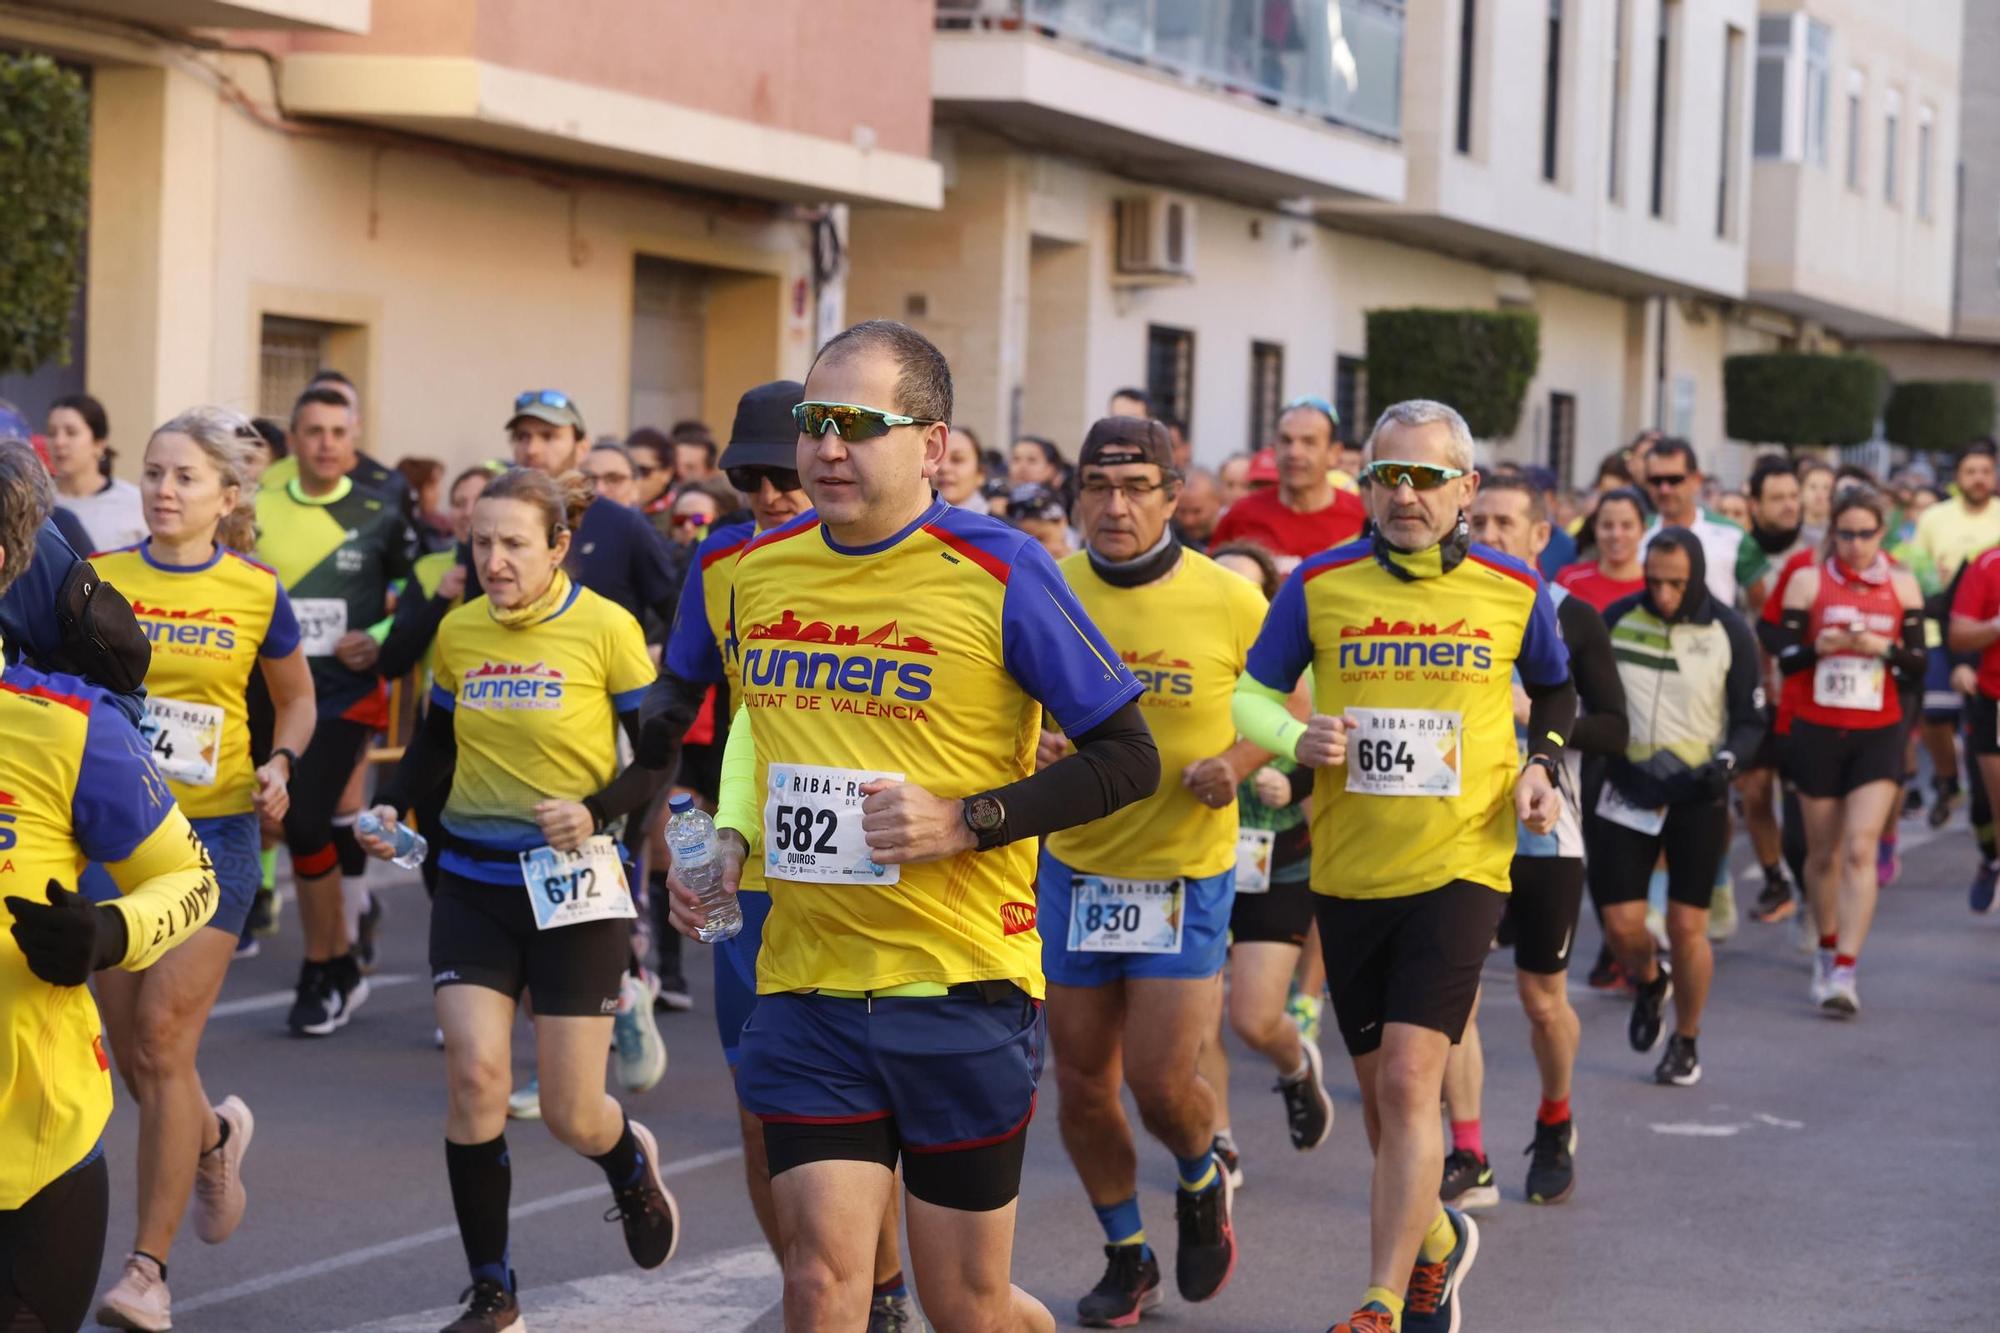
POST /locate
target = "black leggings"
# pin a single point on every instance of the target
(50, 1250)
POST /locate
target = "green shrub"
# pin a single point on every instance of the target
(1794, 398)
(44, 206)
(1479, 361)
(1938, 416)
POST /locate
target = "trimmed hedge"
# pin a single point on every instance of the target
(44, 207)
(1939, 416)
(1479, 361)
(1795, 398)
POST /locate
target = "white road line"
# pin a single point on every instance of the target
(725, 1293)
(1695, 1130)
(369, 1253)
(251, 1004)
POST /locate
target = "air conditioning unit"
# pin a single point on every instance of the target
(1156, 236)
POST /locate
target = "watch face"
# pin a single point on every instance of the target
(984, 814)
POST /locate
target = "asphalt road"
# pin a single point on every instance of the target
(1823, 1176)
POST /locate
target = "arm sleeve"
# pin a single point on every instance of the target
(1909, 658)
(281, 636)
(671, 705)
(1302, 779)
(634, 788)
(1794, 652)
(1745, 692)
(429, 762)
(167, 891)
(1551, 717)
(411, 631)
(1261, 716)
(1115, 764)
(1601, 724)
(736, 790)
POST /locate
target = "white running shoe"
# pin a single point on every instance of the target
(1822, 973)
(219, 1199)
(642, 1053)
(1842, 1000)
(1722, 920)
(139, 1300)
(525, 1103)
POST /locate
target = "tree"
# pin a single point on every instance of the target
(1796, 398)
(1938, 416)
(44, 206)
(1479, 361)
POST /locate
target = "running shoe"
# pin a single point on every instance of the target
(1648, 1001)
(1680, 1066)
(1944, 802)
(1888, 863)
(1130, 1287)
(1822, 973)
(1841, 999)
(312, 1002)
(1304, 1012)
(1207, 1254)
(651, 1217)
(1308, 1108)
(1980, 897)
(1913, 799)
(1607, 973)
(138, 1300)
(366, 932)
(338, 990)
(219, 1199)
(894, 1314)
(525, 1102)
(671, 994)
(1722, 909)
(1468, 1181)
(1808, 936)
(1231, 1160)
(1370, 1318)
(1775, 903)
(642, 1054)
(490, 1308)
(1431, 1302)
(265, 909)
(1552, 1164)
(247, 946)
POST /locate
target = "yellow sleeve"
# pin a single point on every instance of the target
(169, 891)
(736, 797)
(1262, 718)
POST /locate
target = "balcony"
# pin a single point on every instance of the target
(1267, 98)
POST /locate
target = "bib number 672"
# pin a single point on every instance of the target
(795, 828)
(568, 886)
(1384, 756)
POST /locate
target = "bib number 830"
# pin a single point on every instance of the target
(794, 828)
(1384, 756)
(568, 886)
(1111, 916)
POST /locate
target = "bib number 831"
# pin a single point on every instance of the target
(794, 829)
(568, 886)
(1384, 756)
(1111, 916)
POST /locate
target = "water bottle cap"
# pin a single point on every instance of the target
(678, 804)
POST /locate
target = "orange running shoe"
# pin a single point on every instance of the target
(1370, 1318)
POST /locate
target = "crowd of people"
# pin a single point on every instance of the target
(1101, 758)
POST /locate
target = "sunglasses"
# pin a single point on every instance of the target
(1418, 476)
(1674, 480)
(750, 480)
(851, 422)
(543, 398)
(1317, 404)
(1856, 534)
(690, 520)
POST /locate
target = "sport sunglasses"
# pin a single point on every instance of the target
(749, 480)
(850, 421)
(543, 398)
(1420, 476)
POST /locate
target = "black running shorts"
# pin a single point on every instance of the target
(1830, 762)
(50, 1249)
(1621, 860)
(1414, 959)
(1542, 909)
(485, 935)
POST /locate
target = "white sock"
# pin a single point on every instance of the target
(353, 902)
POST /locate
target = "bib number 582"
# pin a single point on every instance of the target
(1384, 756)
(795, 826)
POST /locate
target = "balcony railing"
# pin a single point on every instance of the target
(1337, 60)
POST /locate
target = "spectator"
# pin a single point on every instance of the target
(694, 513)
(1232, 480)
(425, 478)
(694, 452)
(1183, 447)
(1035, 462)
(612, 473)
(1816, 492)
(1734, 506)
(1253, 562)
(1612, 473)
(1037, 510)
(653, 475)
(959, 476)
(80, 458)
(1305, 513)
(272, 443)
(1130, 403)
(1561, 549)
(1199, 507)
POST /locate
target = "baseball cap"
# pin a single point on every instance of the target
(550, 405)
(1116, 440)
(764, 434)
(1034, 500)
(1264, 467)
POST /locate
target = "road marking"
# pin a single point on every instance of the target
(369, 1253)
(725, 1293)
(1695, 1130)
(251, 1004)
(1778, 1122)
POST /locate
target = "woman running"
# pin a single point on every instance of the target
(214, 617)
(1617, 531)
(531, 681)
(1850, 640)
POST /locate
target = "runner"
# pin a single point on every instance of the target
(79, 786)
(1304, 513)
(896, 655)
(1690, 672)
(214, 618)
(1777, 526)
(1547, 876)
(1411, 845)
(1975, 628)
(1138, 904)
(1949, 534)
(336, 546)
(533, 678)
(1856, 622)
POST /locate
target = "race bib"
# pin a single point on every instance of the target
(322, 623)
(1850, 682)
(1253, 859)
(1612, 805)
(568, 888)
(185, 739)
(1125, 915)
(812, 826)
(1404, 751)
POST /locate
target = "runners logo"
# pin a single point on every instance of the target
(1162, 673)
(1016, 918)
(818, 665)
(205, 628)
(1407, 645)
(511, 685)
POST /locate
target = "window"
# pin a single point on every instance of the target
(1170, 371)
(1350, 397)
(1892, 115)
(290, 353)
(1616, 186)
(1774, 63)
(1663, 68)
(1468, 31)
(1794, 69)
(1552, 90)
(1924, 163)
(1267, 391)
(1562, 438)
(1819, 43)
(1857, 84)
(1732, 76)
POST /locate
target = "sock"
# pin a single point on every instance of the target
(1829, 942)
(157, 1263)
(1392, 1301)
(1225, 1138)
(1121, 1222)
(1843, 960)
(625, 1164)
(1198, 1174)
(893, 1286)
(1440, 1240)
(482, 1178)
(267, 860)
(1297, 1076)
(1775, 873)
(1552, 1113)
(1466, 1137)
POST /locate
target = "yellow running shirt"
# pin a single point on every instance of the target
(535, 712)
(931, 654)
(1950, 534)
(208, 623)
(1422, 660)
(1185, 638)
(77, 785)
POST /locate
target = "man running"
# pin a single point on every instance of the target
(1305, 512)
(1777, 526)
(1137, 905)
(1951, 532)
(1413, 635)
(1509, 516)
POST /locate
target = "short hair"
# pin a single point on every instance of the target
(1812, 463)
(324, 397)
(707, 448)
(420, 472)
(690, 431)
(272, 432)
(1140, 396)
(1767, 467)
(90, 410)
(328, 375)
(647, 437)
(1048, 448)
(1977, 449)
(923, 378)
(1427, 412)
(1267, 566)
(27, 497)
(1194, 474)
(1515, 483)
(614, 447)
(1673, 446)
(1614, 465)
(1856, 473)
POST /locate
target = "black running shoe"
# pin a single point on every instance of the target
(1913, 799)
(1680, 1066)
(1647, 1005)
(1308, 1108)
(341, 989)
(1775, 903)
(1207, 1254)
(1130, 1287)
(366, 931)
(490, 1308)
(263, 919)
(312, 1003)
(652, 1219)
(1231, 1160)
(1944, 802)
(1552, 1165)
(1468, 1181)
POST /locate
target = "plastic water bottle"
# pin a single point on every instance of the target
(410, 845)
(698, 863)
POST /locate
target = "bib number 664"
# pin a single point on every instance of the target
(1384, 756)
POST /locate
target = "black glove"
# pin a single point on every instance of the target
(69, 937)
(1712, 780)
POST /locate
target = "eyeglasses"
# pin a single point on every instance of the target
(750, 480)
(1418, 476)
(544, 398)
(850, 421)
(1673, 480)
(1856, 534)
(1100, 488)
(607, 478)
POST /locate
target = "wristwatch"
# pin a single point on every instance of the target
(987, 819)
(291, 759)
(1547, 765)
